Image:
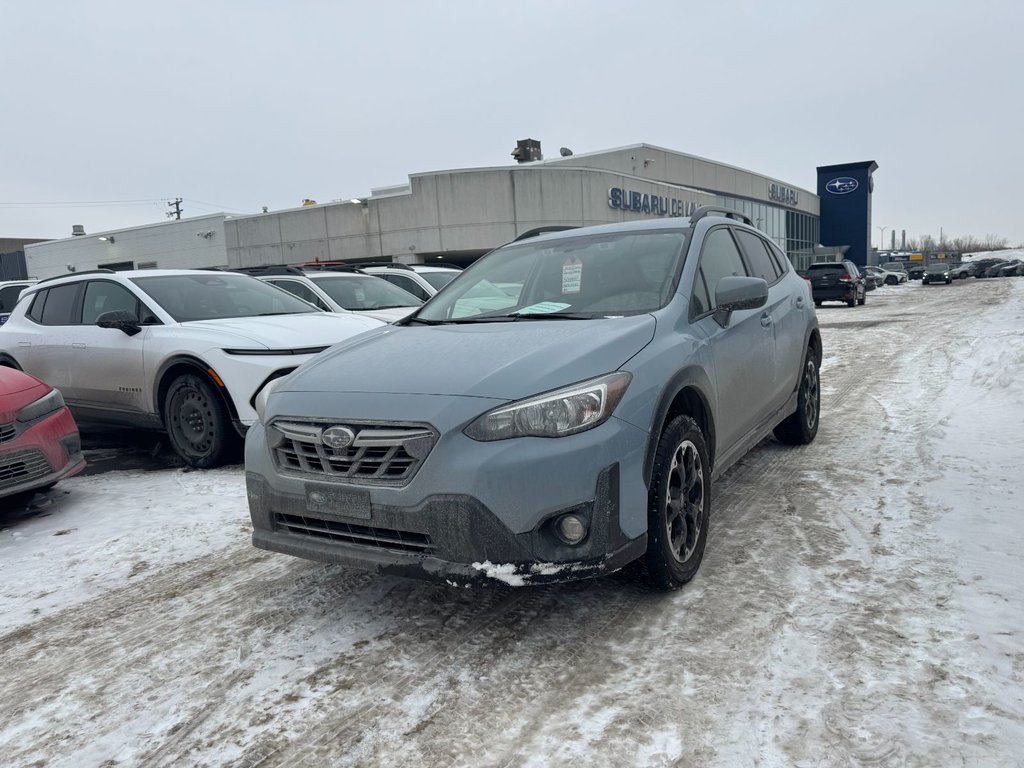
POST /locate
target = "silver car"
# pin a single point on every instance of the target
(560, 410)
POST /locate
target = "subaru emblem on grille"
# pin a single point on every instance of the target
(337, 438)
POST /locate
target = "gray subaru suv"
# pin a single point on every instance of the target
(558, 411)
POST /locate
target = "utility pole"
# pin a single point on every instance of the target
(176, 213)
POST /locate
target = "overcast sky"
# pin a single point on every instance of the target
(237, 105)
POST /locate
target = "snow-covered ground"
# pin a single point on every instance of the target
(859, 603)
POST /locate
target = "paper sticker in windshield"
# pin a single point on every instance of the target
(572, 275)
(544, 308)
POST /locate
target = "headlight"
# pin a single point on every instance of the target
(565, 411)
(53, 401)
(260, 403)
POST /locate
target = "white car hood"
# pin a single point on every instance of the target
(315, 329)
(387, 315)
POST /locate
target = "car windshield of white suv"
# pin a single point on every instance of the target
(217, 295)
(357, 292)
(568, 278)
(439, 279)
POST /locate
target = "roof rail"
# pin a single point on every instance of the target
(269, 269)
(395, 264)
(445, 264)
(76, 274)
(328, 267)
(544, 230)
(709, 210)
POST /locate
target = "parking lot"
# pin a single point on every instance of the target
(857, 603)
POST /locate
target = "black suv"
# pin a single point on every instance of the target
(836, 281)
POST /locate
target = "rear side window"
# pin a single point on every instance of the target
(761, 264)
(59, 308)
(719, 258)
(407, 284)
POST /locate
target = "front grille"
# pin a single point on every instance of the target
(7, 432)
(379, 454)
(379, 538)
(23, 467)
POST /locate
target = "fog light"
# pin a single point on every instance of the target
(572, 529)
(274, 437)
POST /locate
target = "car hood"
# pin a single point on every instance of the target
(316, 329)
(507, 360)
(17, 390)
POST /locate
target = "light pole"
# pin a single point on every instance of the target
(881, 240)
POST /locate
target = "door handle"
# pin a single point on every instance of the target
(766, 320)
(799, 302)
(77, 345)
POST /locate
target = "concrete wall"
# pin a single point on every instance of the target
(186, 244)
(456, 213)
(452, 212)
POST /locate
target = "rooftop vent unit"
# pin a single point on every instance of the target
(77, 230)
(527, 150)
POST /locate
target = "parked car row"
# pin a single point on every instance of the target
(558, 410)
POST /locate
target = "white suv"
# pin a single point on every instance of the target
(186, 351)
(421, 280)
(10, 291)
(342, 290)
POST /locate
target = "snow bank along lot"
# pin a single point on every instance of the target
(859, 603)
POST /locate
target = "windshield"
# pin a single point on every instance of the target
(217, 295)
(936, 269)
(588, 276)
(357, 292)
(827, 269)
(438, 279)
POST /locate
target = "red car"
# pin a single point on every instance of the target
(39, 441)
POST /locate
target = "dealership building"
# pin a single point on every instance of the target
(458, 215)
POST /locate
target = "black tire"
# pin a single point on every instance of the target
(852, 302)
(801, 426)
(197, 422)
(678, 507)
(817, 302)
(892, 280)
(863, 298)
(7, 362)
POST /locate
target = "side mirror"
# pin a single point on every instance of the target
(736, 293)
(121, 320)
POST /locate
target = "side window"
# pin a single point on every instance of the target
(59, 308)
(700, 302)
(35, 312)
(102, 296)
(781, 262)
(719, 258)
(407, 284)
(761, 264)
(9, 297)
(304, 292)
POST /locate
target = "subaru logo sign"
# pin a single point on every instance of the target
(337, 438)
(842, 185)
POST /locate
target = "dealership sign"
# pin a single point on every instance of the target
(779, 194)
(656, 205)
(842, 185)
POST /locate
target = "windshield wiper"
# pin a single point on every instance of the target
(550, 316)
(509, 318)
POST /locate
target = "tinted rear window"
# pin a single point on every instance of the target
(827, 269)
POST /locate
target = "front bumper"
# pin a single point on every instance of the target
(452, 538)
(48, 451)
